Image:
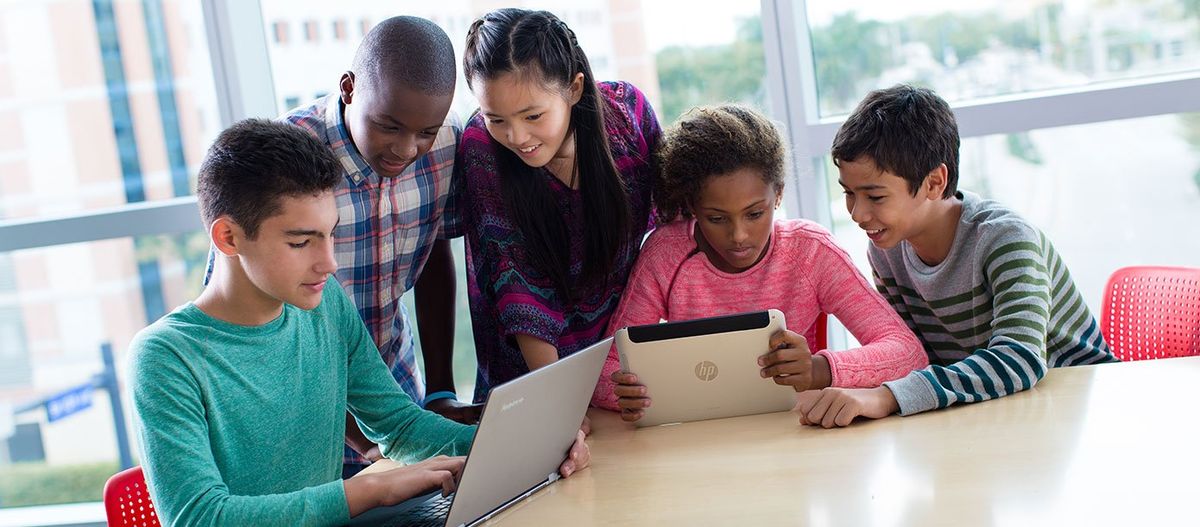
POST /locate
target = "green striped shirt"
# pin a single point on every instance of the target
(243, 425)
(993, 316)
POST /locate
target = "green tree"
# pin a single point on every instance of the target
(189, 248)
(1191, 7)
(847, 52)
(1021, 146)
(965, 36)
(691, 76)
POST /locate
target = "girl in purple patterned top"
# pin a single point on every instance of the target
(556, 175)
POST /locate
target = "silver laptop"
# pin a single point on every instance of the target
(705, 368)
(527, 429)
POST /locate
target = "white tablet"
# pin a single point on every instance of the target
(705, 368)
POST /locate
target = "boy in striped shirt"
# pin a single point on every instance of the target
(983, 289)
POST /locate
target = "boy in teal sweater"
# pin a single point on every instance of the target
(242, 393)
(984, 290)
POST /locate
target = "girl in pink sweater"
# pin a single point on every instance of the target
(723, 252)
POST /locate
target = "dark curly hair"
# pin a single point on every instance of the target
(711, 141)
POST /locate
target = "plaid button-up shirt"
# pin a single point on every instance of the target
(386, 227)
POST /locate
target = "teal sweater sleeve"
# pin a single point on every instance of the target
(387, 415)
(188, 488)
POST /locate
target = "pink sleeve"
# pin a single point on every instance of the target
(889, 351)
(643, 302)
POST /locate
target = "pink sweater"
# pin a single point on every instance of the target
(803, 274)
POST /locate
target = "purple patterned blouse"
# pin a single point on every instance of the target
(508, 297)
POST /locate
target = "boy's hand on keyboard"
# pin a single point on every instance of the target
(631, 396)
(578, 458)
(416, 479)
(790, 362)
(832, 407)
(396, 485)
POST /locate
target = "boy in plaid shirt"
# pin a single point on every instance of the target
(390, 127)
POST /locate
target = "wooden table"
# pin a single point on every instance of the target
(1107, 444)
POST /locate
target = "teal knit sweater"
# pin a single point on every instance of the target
(245, 425)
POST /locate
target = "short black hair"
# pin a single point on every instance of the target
(906, 130)
(254, 163)
(708, 141)
(409, 50)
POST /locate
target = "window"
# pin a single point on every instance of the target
(105, 110)
(339, 30)
(14, 351)
(281, 32)
(96, 114)
(311, 31)
(991, 47)
(71, 300)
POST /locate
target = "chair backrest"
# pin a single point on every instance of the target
(127, 500)
(1152, 312)
(822, 324)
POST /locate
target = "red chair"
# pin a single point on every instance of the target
(1152, 312)
(822, 324)
(127, 500)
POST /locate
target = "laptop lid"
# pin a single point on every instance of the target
(525, 433)
(705, 368)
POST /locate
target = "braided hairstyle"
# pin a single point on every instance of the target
(539, 46)
(711, 141)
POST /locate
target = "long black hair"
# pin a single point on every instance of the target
(538, 44)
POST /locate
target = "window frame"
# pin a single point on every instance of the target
(244, 89)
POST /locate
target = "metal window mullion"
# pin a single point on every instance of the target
(791, 87)
(241, 64)
(179, 215)
(1054, 108)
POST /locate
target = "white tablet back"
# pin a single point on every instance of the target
(705, 368)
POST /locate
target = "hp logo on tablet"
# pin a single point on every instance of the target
(706, 371)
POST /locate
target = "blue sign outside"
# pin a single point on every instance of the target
(69, 402)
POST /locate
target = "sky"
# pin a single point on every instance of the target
(820, 12)
(691, 23)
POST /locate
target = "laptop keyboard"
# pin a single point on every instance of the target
(432, 513)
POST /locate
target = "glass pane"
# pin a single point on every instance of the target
(1133, 205)
(101, 103)
(992, 47)
(678, 55)
(464, 363)
(58, 306)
